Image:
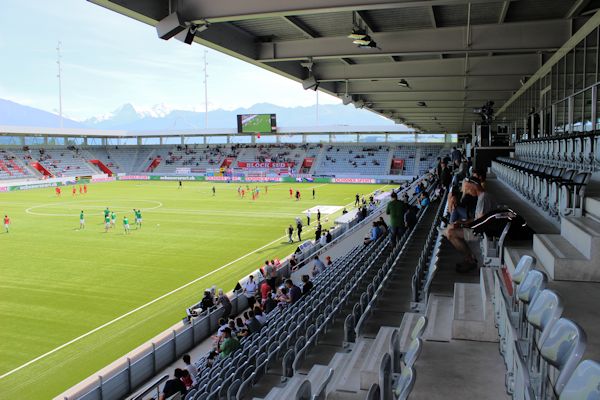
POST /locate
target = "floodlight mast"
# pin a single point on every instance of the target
(59, 76)
(205, 90)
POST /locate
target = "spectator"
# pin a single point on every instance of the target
(424, 202)
(323, 239)
(459, 233)
(272, 274)
(445, 176)
(250, 289)
(229, 344)
(223, 301)
(318, 233)
(174, 385)
(382, 225)
(294, 291)
(293, 262)
(328, 262)
(318, 266)
(328, 237)
(456, 156)
(396, 209)
(290, 232)
(410, 217)
(270, 303)
(265, 291)
(191, 368)
(344, 211)
(187, 379)
(258, 314)
(282, 297)
(252, 323)
(307, 285)
(207, 301)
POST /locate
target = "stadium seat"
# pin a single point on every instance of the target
(584, 383)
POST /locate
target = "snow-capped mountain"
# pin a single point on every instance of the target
(163, 117)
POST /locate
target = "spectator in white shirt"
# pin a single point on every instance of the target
(190, 367)
(250, 288)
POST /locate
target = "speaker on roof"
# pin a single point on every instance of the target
(170, 26)
(310, 83)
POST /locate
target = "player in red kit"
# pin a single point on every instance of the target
(291, 193)
(6, 223)
(84, 189)
(74, 191)
(57, 190)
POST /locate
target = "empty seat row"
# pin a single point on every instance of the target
(542, 350)
(579, 151)
(558, 191)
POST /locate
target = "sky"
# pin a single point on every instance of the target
(109, 60)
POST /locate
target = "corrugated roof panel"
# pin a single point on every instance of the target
(451, 15)
(329, 24)
(278, 28)
(531, 10)
(487, 13)
(400, 19)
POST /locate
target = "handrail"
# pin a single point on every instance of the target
(153, 385)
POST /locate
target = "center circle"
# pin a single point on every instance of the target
(79, 205)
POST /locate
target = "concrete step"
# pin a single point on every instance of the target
(592, 207)
(583, 233)
(439, 315)
(369, 372)
(563, 261)
(512, 255)
(473, 317)
(346, 378)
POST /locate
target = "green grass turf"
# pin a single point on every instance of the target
(58, 282)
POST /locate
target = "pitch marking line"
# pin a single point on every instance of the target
(29, 210)
(111, 322)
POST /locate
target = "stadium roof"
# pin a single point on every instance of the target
(434, 60)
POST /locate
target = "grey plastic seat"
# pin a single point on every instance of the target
(412, 353)
(245, 387)
(405, 383)
(563, 348)
(320, 392)
(304, 391)
(525, 264)
(191, 394)
(374, 392)
(543, 312)
(385, 377)
(534, 282)
(233, 389)
(419, 327)
(584, 384)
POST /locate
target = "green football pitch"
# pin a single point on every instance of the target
(59, 283)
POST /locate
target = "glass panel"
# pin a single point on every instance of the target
(216, 139)
(240, 139)
(317, 138)
(569, 73)
(7, 140)
(561, 79)
(74, 141)
(290, 138)
(32, 140)
(401, 137)
(266, 139)
(194, 140)
(578, 113)
(371, 137)
(341, 138)
(591, 58)
(94, 141)
(151, 140)
(172, 140)
(579, 66)
(561, 108)
(588, 126)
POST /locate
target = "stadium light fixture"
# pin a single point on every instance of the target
(357, 33)
(403, 83)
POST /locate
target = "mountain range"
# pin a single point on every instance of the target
(161, 117)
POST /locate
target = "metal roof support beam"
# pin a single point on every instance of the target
(577, 8)
(503, 12)
(542, 36)
(301, 26)
(525, 64)
(365, 21)
(236, 10)
(432, 17)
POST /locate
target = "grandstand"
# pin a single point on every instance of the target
(511, 313)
